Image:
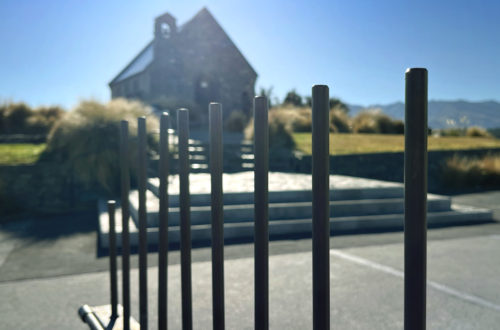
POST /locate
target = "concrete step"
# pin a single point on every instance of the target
(235, 198)
(278, 211)
(293, 187)
(243, 231)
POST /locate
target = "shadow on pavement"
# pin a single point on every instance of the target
(51, 227)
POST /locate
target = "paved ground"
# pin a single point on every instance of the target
(46, 274)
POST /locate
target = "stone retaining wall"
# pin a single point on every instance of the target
(40, 187)
(23, 138)
(388, 166)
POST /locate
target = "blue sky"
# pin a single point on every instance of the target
(58, 52)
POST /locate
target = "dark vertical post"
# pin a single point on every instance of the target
(163, 219)
(112, 260)
(415, 198)
(320, 205)
(215, 120)
(125, 188)
(185, 220)
(143, 244)
(261, 248)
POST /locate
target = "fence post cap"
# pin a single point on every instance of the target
(411, 70)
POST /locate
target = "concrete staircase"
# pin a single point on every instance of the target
(356, 205)
(237, 157)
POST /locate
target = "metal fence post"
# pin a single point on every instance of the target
(125, 188)
(163, 228)
(321, 213)
(112, 260)
(215, 120)
(261, 200)
(415, 226)
(143, 244)
(185, 220)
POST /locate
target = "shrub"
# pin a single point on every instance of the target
(374, 121)
(386, 125)
(299, 119)
(476, 131)
(268, 93)
(339, 121)
(495, 132)
(280, 136)
(365, 122)
(293, 98)
(43, 119)
(86, 141)
(14, 118)
(399, 127)
(452, 132)
(335, 103)
(460, 172)
(295, 119)
(19, 118)
(236, 122)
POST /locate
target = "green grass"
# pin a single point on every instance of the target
(344, 144)
(20, 153)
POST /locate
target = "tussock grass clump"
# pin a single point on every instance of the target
(280, 128)
(86, 141)
(460, 172)
(452, 132)
(375, 122)
(476, 131)
(236, 121)
(300, 119)
(473, 131)
(340, 121)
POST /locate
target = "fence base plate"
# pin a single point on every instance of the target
(103, 315)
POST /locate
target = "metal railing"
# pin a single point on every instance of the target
(415, 213)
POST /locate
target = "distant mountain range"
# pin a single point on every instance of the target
(445, 114)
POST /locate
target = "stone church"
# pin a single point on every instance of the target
(188, 66)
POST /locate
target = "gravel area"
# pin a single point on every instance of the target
(278, 181)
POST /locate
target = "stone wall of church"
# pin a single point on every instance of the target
(199, 69)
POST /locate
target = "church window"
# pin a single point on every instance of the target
(165, 30)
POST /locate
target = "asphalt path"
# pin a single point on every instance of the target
(51, 266)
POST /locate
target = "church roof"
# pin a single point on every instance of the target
(138, 64)
(146, 56)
